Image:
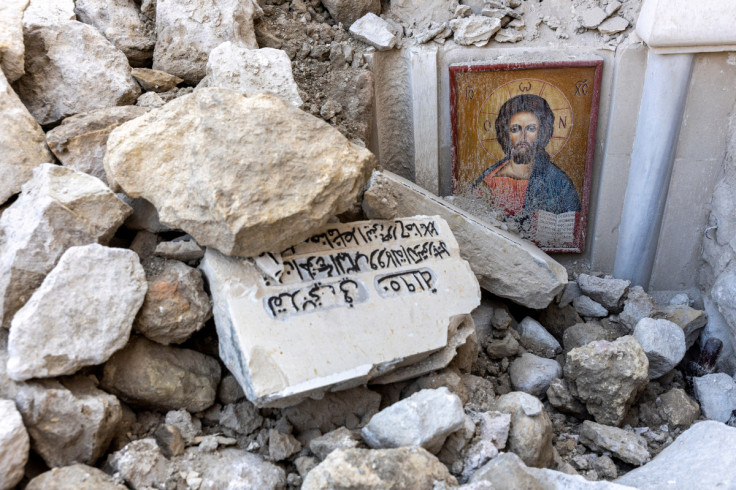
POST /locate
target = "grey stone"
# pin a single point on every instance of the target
(536, 339)
(556, 320)
(150, 100)
(48, 12)
(613, 25)
(533, 374)
(531, 428)
(229, 390)
(11, 39)
(559, 396)
(341, 438)
(508, 346)
(348, 11)
(571, 291)
(480, 392)
(607, 377)
(448, 378)
(680, 299)
(184, 250)
(127, 463)
(626, 446)
(582, 334)
(482, 317)
(638, 305)
(663, 342)
(169, 440)
(678, 409)
(352, 408)
(144, 217)
(724, 295)
(76, 476)
(510, 35)
(422, 12)
(494, 426)
(373, 30)
(457, 443)
(586, 307)
(154, 376)
(242, 418)
(281, 446)
(8, 387)
(155, 80)
(690, 320)
(14, 445)
(474, 30)
(717, 395)
(592, 17)
(697, 459)
(607, 291)
(424, 419)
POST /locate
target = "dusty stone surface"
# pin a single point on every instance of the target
(582, 334)
(475, 30)
(48, 12)
(69, 423)
(341, 438)
(690, 320)
(11, 39)
(613, 25)
(531, 432)
(21, 142)
(58, 209)
(14, 445)
(8, 387)
(227, 195)
(252, 71)
(150, 375)
(79, 476)
(51, 335)
(717, 395)
(422, 12)
(626, 446)
(533, 374)
(187, 30)
(155, 80)
(373, 30)
(638, 305)
(607, 377)
(123, 24)
(406, 467)
(592, 17)
(176, 304)
(663, 343)
(352, 408)
(241, 418)
(183, 250)
(536, 339)
(79, 142)
(72, 68)
(188, 427)
(281, 446)
(559, 396)
(507, 346)
(607, 291)
(348, 11)
(588, 308)
(678, 408)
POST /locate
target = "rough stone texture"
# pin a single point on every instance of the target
(385, 469)
(638, 305)
(607, 377)
(690, 320)
(188, 427)
(678, 409)
(8, 387)
(717, 395)
(373, 30)
(227, 195)
(187, 30)
(74, 477)
(183, 250)
(626, 446)
(281, 446)
(154, 376)
(252, 71)
(571, 291)
(531, 429)
(242, 418)
(80, 141)
(59, 208)
(351, 408)
(533, 374)
(510, 35)
(607, 291)
(155, 80)
(72, 68)
(11, 38)
(422, 12)
(140, 464)
(123, 24)
(144, 217)
(229, 390)
(480, 392)
(21, 142)
(176, 304)
(582, 334)
(80, 315)
(697, 459)
(586, 307)
(536, 339)
(592, 17)
(14, 445)
(613, 25)
(348, 11)
(448, 378)
(47, 12)
(559, 396)
(475, 30)
(424, 419)
(341, 438)
(504, 264)
(69, 423)
(663, 343)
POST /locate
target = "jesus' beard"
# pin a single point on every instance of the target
(523, 153)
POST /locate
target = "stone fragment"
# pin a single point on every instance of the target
(14, 445)
(74, 477)
(80, 141)
(663, 343)
(373, 30)
(269, 341)
(678, 409)
(150, 100)
(341, 438)
(531, 429)
(536, 339)
(21, 141)
(389, 469)
(169, 440)
(448, 378)
(480, 392)
(69, 423)
(53, 335)
(638, 305)
(11, 39)
(588, 308)
(592, 17)
(424, 419)
(508, 346)
(494, 427)
(346, 12)
(724, 295)
(690, 320)
(607, 377)
(229, 390)
(571, 291)
(533, 374)
(474, 30)
(351, 408)
(187, 30)
(154, 376)
(510, 35)
(184, 250)
(422, 12)
(607, 291)
(697, 459)
(680, 299)
(504, 264)
(227, 195)
(613, 7)
(189, 427)
(123, 24)
(8, 387)
(140, 463)
(242, 418)
(48, 12)
(717, 395)
(155, 80)
(559, 396)
(72, 68)
(144, 217)
(556, 320)
(613, 25)
(582, 334)
(626, 446)
(58, 209)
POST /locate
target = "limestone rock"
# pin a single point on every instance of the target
(141, 464)
(80, 315)
(231, 468)
(348, 11)
(155, 80)
(74, 477)
(607, 377)
(613, 25)
(176, 305)
(352, 408)
(385, 469)
(638, 305)
(184, 250)
(533, 374)
(717, 395)
(150, 100)
(690, 320)
(228, 194)
(14, 445)
(252, 71)
(508, 346)
(154, 376)
(72, 68)
(536, 339)
(592, 17)
(144, 217)
(48, 12)
(8, 387)
(341, 438)
(663, 343)
(559, 396)
(69, 423)
(531, 429)
(229, 390)
(504, 264)
(58, 209)
(510, 35)
(123, 24)
(475, 30)
(626, 446)
(242, 418)
(187, 30)
(422, 12)
(188, 427)
(678, 409)
(586, 307)
(80, 141)
(11, 38)
(582, 334)
(424, 419)
(21, 142)
(373, 30)
(448, 378)
(607, 291)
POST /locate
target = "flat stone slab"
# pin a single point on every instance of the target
(353, 302)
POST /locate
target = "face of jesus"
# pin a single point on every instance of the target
(523, 131)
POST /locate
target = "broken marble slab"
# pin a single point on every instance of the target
(353, 302)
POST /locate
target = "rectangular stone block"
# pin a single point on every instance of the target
(353, 302)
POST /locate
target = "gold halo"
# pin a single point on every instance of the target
(557, 101)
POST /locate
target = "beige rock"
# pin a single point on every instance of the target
(58, 209)
(234, 192)
(22, 142)
(72, 68)
(11, 38)
(348, 11)
(504, 264)
(155, 80)
(48, 12)
(80, 141)
(74, 477)
(14, 445)
(531, 432)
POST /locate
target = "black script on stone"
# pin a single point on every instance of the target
(314, 297)
(406, 282)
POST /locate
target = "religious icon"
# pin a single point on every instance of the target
(523, 142)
